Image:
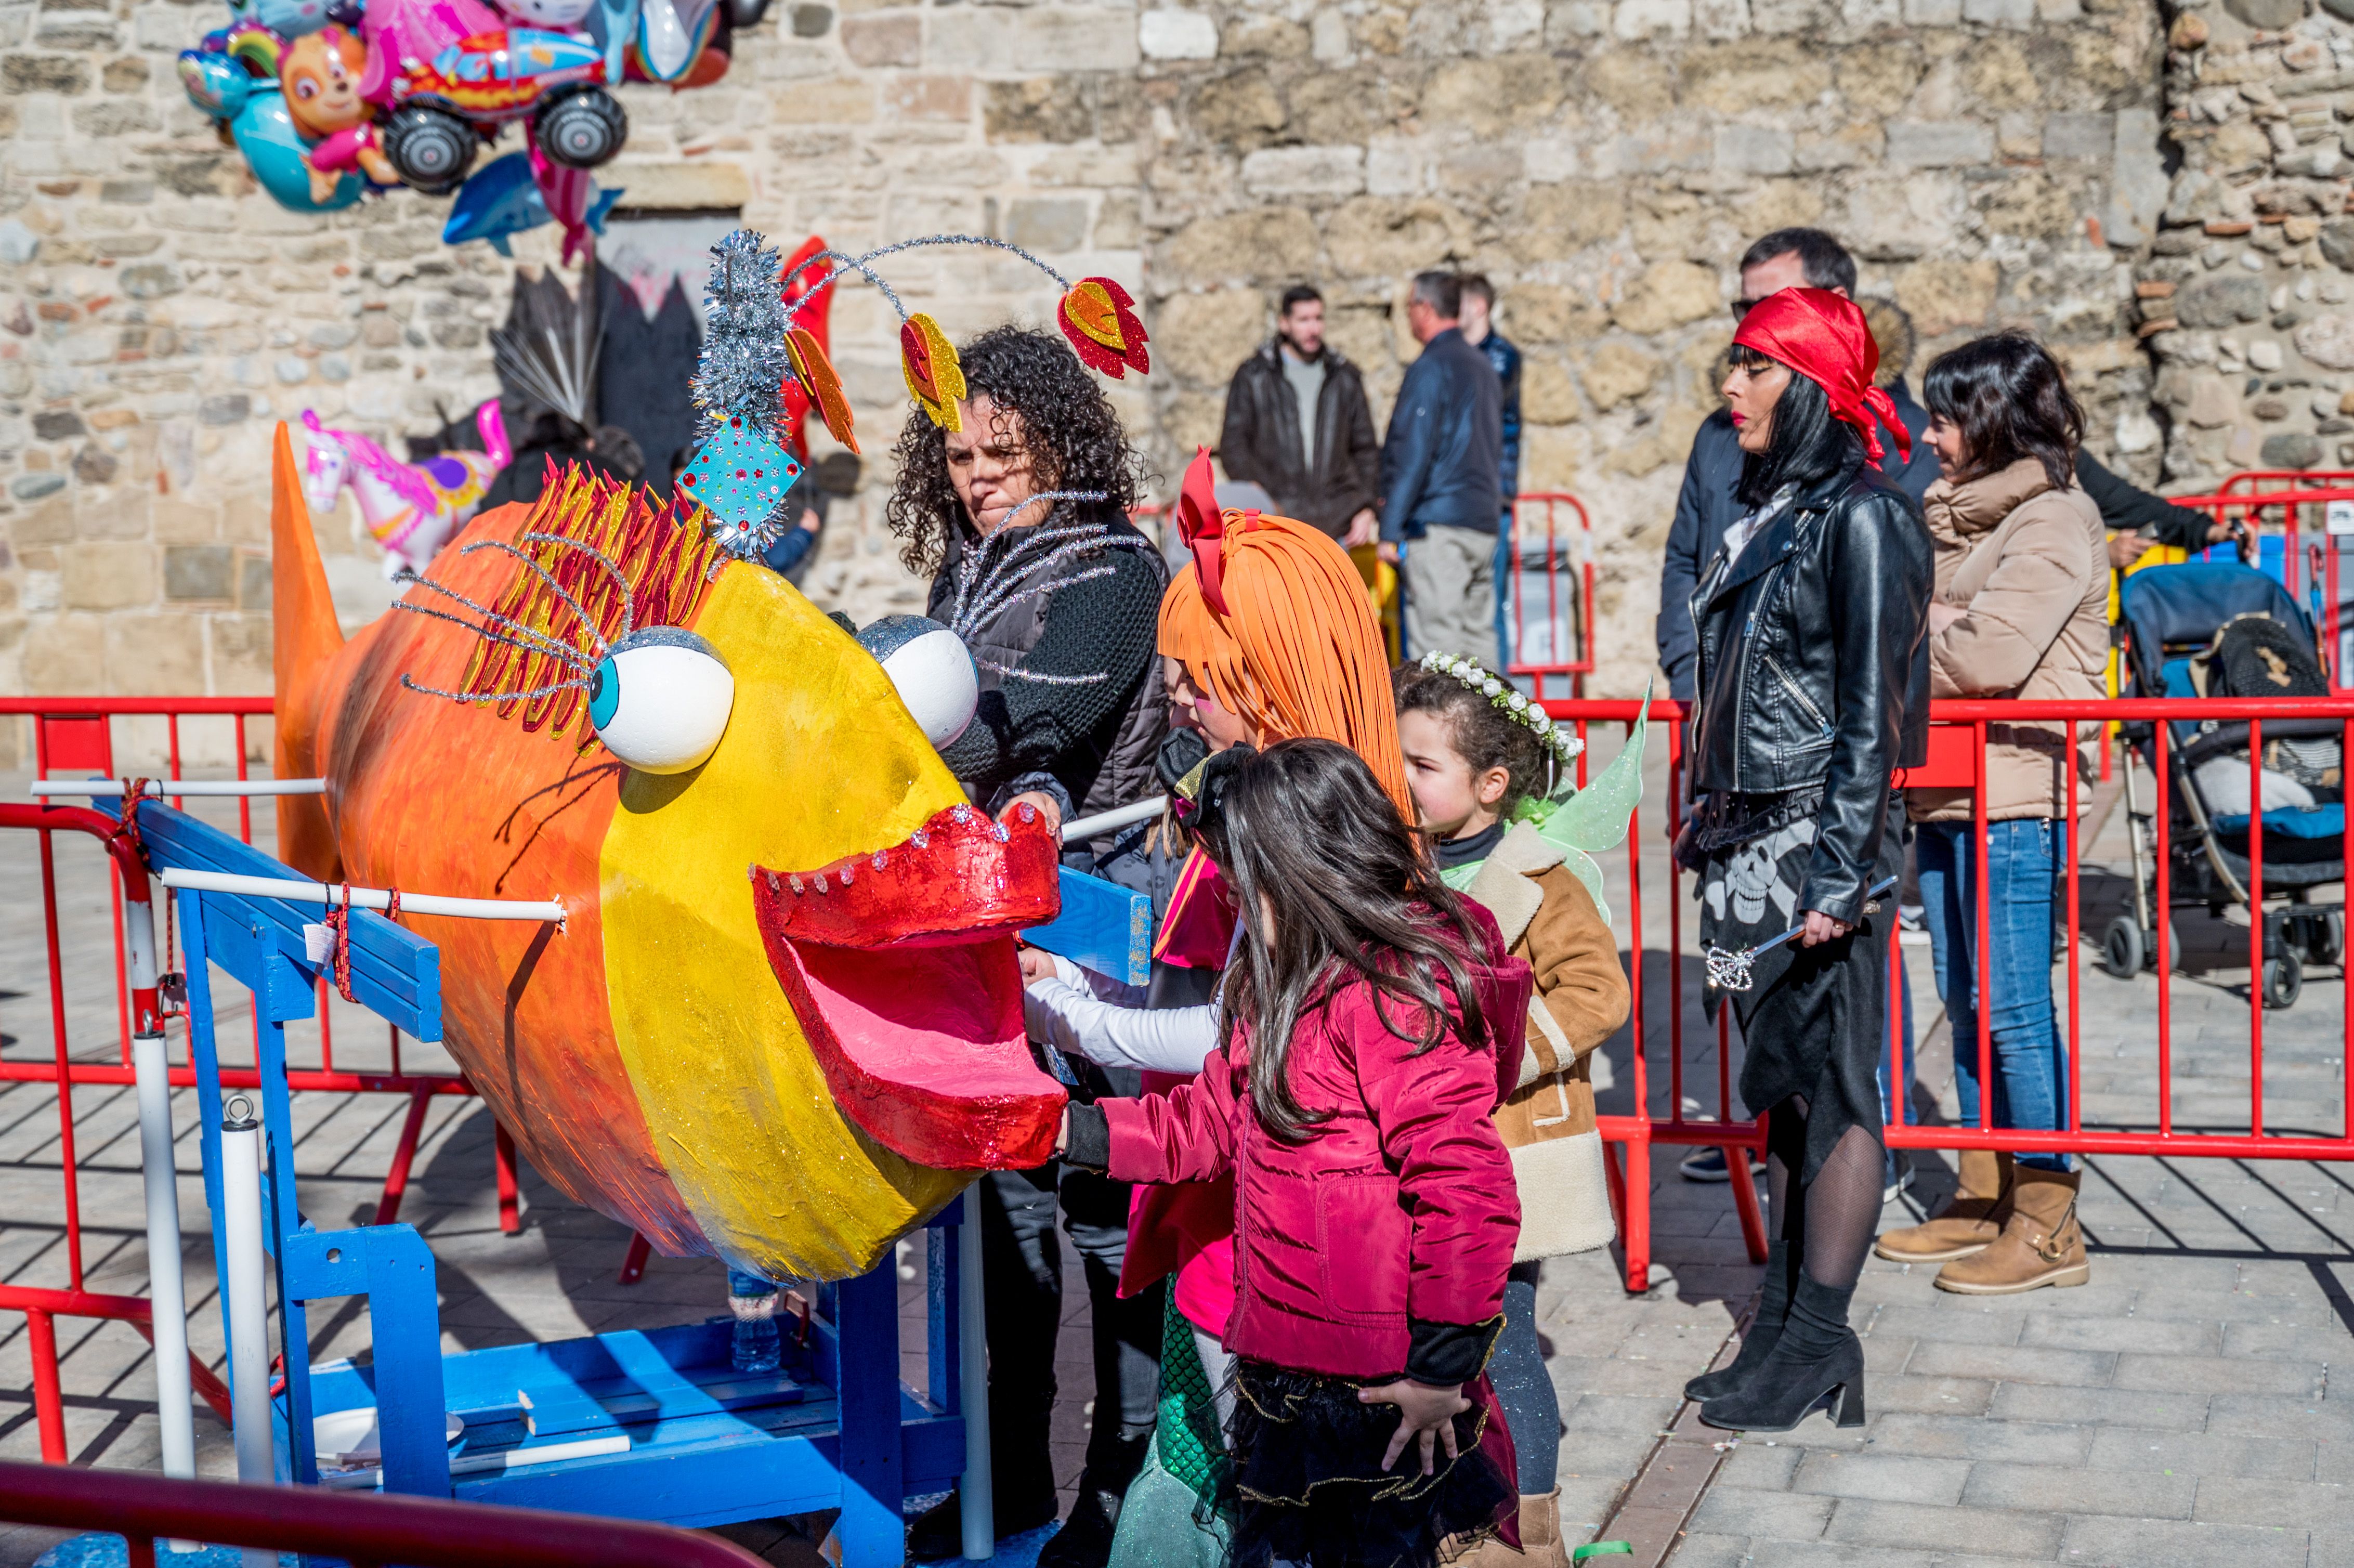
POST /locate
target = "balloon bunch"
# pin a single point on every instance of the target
(331, 98)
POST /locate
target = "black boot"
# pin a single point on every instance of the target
(1816, 1356)
(1764, 1327)
(1085, 1540)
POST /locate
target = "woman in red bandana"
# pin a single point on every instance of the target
(1813, 689)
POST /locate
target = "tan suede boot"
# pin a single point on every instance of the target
(1967, 1224)
(1541, 1542)
(2041, 1244)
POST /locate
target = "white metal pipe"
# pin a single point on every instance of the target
(157, 788)
(977, 1502)
(247, 1310)
(363, 897)
(1119, 817)
(166, 1291)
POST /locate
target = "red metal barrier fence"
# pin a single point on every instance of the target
(1957, 760)
(363, 1530)
(75, 736)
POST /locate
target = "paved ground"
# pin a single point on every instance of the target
(2177, 1406)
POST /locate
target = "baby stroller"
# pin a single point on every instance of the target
(2212, 629)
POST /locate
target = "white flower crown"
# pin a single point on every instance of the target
(1516, 707)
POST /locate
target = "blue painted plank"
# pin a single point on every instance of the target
(1103, 927)
(396, 973)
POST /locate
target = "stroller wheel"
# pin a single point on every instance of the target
(2320, 939)
(2121, 953)
(2283, 979)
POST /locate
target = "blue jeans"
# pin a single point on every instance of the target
(1504, 648)
(2025, 860)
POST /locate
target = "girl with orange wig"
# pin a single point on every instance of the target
(1267, 635)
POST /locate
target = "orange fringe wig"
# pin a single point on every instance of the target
(1299, 652)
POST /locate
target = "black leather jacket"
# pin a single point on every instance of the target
(1814, 670)
(1260, 440)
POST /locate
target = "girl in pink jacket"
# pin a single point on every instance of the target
(1371, 1028)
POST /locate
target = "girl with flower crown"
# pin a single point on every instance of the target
(1487, 770)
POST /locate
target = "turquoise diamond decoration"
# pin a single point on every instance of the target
(740, 477)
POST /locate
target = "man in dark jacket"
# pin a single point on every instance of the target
(1785, 258)
(1298, 427)
(2140, 520)
(1439, 469)
(1504, 359)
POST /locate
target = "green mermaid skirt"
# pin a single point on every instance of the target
(1180, 1510)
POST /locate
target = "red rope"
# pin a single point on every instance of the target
(339, 921)
(133, 791)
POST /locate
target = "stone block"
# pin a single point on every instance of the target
(1669, 295)
(64, 74)
(1202, 337)
(2078, 135)
(2272, 15)
(109, 576)
(2050, 1489)
(1058, 224)
(1042, 109)
(253, 584)
(1275, 37)
(2199, 1454)
(1755, 150)
(1170, 34)
(1393, 238)
(887, 39)
(928, 98)
(1888, 1478)
(1618, 373)
(2099, 1407)
(1748, 1510)
(811, 21)
(1638, 20)
(1939, 143)
(1279, 173)
(1915, 1527)
(839, 101)
(2163, 1544)
(2222, 299)
(1273, 243)
(2290, 450)
(1240, 107)
(65, 654)
(1548, 396)
(1947, 296)
(197, 571)
(164, 653)
(1489, 95)
(1078, 39)
(1999, 13)
(984, 39)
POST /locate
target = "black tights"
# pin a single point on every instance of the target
(1829, 1225)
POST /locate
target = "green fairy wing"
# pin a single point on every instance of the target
(1596, 817)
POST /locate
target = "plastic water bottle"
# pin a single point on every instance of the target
(759, 1347)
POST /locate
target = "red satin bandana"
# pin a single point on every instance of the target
(1822, 336)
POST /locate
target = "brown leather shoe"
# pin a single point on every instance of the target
(1541, 1542)
(2041, 1244)
(1968, 1223)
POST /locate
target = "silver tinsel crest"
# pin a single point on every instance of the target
(744, 364)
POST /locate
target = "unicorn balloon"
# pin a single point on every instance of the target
(410, 509)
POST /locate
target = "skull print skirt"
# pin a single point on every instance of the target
(1814, 1022)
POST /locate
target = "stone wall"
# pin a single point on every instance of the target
(1992, 162)
(2245, 295)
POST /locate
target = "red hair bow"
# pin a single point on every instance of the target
(1202, 526)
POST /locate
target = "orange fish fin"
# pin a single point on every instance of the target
(307, 637)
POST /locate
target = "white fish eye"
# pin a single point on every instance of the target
(932, 670)
(660, 700)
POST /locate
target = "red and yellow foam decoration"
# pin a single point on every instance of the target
(935, 375)
(1099, 318)
(815, 372)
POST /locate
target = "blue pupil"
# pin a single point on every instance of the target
(605, 696)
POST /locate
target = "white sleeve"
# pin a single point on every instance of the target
(1076, 1022)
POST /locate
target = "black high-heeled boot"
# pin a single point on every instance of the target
(1764, 1327)
(1816, 1356)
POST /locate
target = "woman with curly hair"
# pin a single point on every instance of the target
(1021, 517)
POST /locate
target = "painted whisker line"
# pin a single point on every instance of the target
(583, 685)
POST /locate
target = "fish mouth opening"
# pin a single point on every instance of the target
(899, 965)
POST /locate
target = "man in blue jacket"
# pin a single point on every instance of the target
(1440, 464)
(1504, 357)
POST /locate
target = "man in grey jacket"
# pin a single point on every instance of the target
(1440, 495)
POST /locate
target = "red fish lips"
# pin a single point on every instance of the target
(899, 965)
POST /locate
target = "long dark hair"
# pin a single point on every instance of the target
(1805, 443)
(2010, 398)
(1337, 888)
(1075, 436)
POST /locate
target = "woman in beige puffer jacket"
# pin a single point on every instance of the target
(2020, 611)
